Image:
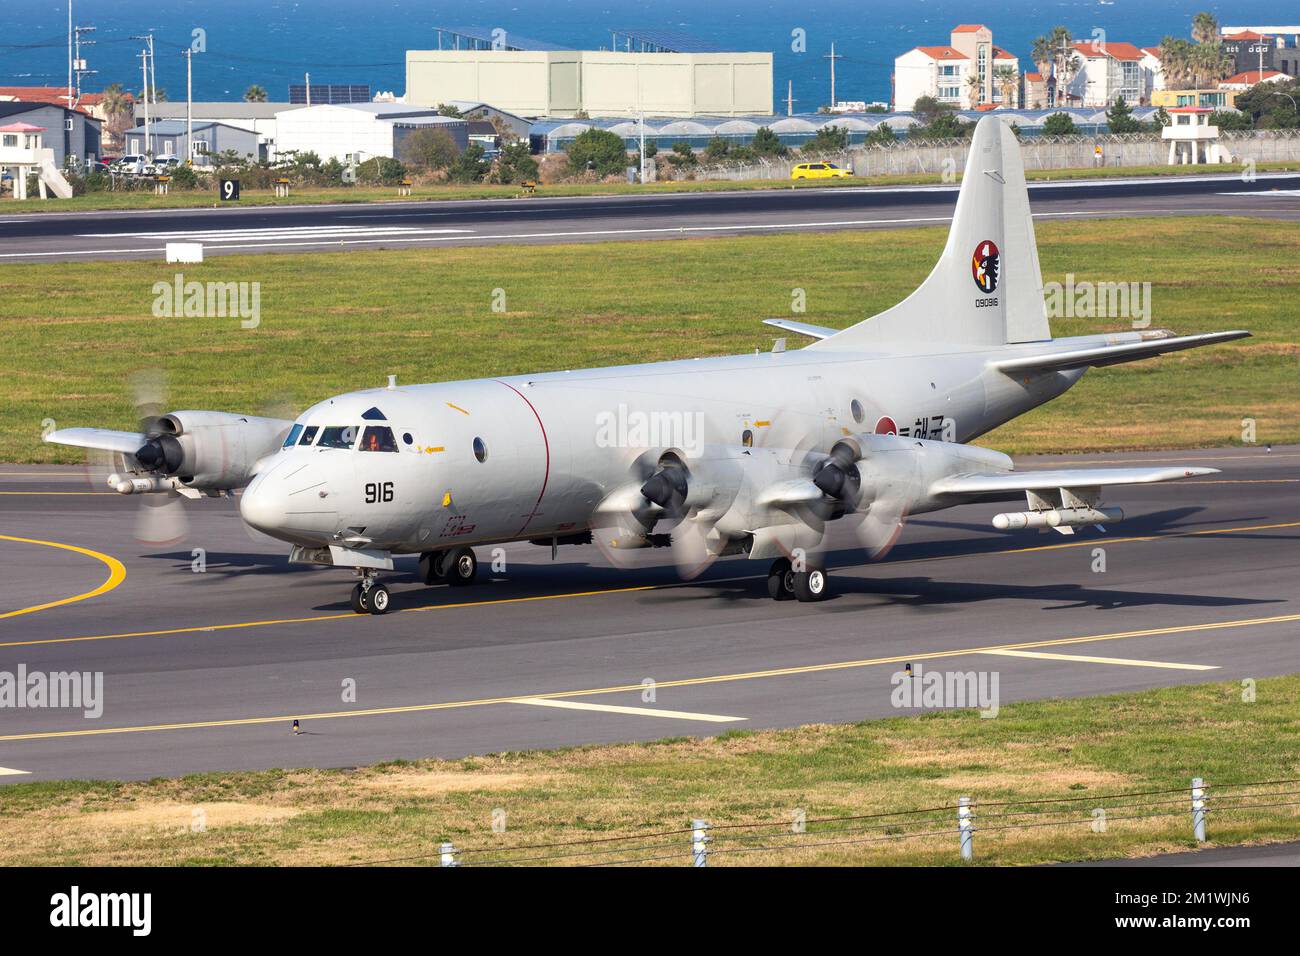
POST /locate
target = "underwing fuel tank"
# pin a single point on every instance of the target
(1057, 518)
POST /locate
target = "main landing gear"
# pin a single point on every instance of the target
(784, 583)
(456, 566)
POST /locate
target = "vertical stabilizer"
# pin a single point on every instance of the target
(986, 289)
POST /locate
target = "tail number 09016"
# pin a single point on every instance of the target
(378, 492)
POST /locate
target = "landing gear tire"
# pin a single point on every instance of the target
(460, 567)
(431, 566)
(811, 585)
(378, 599)
(360, 600)
(780, 580)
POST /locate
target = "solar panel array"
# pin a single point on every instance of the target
(662, 41)
(329, 93)
(497, 38)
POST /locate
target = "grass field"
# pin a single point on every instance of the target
(1085, 750)
(450, 191)
(75, 333)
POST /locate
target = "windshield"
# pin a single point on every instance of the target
(292, 439)
(309, 434)
(378, 438)
(337, 436)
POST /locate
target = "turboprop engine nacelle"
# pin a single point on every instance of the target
(904, 469)
(209, 451)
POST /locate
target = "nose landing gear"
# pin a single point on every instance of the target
(369, 596)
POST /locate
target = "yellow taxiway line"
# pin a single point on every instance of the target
(489, 602)
(683, 682)
(116, 575)
(1084, 659)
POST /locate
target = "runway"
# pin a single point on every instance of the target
(206, 670)
(143, 234)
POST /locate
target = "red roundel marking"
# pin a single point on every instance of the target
(886, 426)
(985, 265)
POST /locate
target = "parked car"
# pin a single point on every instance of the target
(162, 166)
(132, 164)
(819, 171)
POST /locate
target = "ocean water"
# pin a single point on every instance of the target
(274, 42)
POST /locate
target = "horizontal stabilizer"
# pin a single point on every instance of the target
(802, 328)
(1012, 481)
(1112, 354)
(128, 443)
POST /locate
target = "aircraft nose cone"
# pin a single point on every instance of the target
(290, 501)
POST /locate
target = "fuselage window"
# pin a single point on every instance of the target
(309, 435)
(407, 438)
(856, 409)
(480, 449)
(337, 436)
(747, 438)
(378, 438)
(294, 432)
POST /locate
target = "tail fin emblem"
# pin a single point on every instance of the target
(984, 266)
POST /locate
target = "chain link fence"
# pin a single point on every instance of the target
(1039, 152)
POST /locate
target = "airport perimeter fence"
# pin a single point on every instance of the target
(1039, 152)
(959, 826)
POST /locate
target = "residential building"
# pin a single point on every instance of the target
(943, 72)
(1285, 45)
(1153, 71)
(167, 138)
(1244, 81)
(258, 118)
(1035, 91)
(359, 131)
(66, 132)
(1109, 70)
(1217, 99)
(1249, 50)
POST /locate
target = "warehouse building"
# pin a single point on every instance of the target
(660, 72)
(258, 118)
(168, 137)
(356, 132)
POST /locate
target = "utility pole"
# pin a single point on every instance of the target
(79, 65)
(189, 103)
(833, 57)
(789, 98)
(307, 78)
(69, 53)
(144, 79)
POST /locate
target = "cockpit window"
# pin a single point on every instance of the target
(373, 415)
(309, 434)
(292, 438)
(378, 438)
(337, 436)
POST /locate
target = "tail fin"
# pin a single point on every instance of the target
(986, 288)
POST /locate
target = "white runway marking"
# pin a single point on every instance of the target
(1266, 193)
(268, 233)
(1081, 658)
(10, 772)
(638, 711)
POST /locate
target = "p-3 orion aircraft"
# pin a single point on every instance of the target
(739, 455)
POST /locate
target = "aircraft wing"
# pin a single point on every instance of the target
(128, 443)
(802, 328)
(1112, 354)
(1012, 481)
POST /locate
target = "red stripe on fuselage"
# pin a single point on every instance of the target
(546, 443)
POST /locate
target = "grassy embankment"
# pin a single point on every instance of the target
(74, 333)
(1085, 749)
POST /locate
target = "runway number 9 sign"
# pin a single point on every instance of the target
(229, 189)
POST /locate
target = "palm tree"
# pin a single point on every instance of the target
(255, 94)
(1175, 62)
(973, 90)
(119, 111)
(1205, 28)
(1210, 64)
(1008, 81)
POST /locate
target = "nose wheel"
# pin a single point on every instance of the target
(370, 597)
